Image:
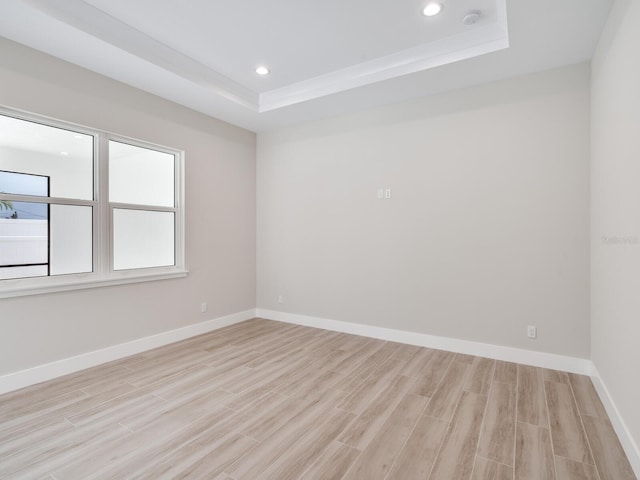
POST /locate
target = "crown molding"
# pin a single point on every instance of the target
(434, 54)
(95, 22)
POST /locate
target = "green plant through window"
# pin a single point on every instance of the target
(6, 204)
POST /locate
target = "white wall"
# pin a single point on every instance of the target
(615, 231)
(487, 230)
(70, 177)
(220, 217)
(23, 241)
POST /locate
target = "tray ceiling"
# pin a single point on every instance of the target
(325, 58)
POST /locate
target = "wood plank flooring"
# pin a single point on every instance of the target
(265, 400)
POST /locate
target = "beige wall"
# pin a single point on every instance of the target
(487, 230)
(615, 273)
(220, 217)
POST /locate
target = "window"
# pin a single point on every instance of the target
(142, 194)
(24, 229)
(82, 208)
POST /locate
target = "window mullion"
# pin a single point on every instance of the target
(51, 200)
(135, 206)
(179, 216)
(102, 225)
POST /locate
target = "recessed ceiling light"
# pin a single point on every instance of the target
(262, 70)
(64, 153)
(432, 9)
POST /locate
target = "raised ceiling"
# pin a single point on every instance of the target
(326, 57)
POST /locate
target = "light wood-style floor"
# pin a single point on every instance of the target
(266, 400)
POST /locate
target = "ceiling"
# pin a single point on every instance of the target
(325, 57)
(34, 137)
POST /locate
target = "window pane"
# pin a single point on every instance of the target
(24, 240)
(140, 176)
(63, 156)
(142, 239)
(71, 239)
(24, 184)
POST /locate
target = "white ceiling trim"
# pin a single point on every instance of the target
(97, 23)
(434, 54)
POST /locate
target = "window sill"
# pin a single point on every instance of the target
(26, 286)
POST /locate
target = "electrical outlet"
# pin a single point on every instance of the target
(203, 307)
(532, 332)
(280, 299)
(387, 193)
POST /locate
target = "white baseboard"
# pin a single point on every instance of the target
(518, 355)
(624, 435)
(41, 373)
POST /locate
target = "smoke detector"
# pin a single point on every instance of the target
(471, 17)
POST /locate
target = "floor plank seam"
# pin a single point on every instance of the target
(346, 444)
(442, 440)
(415, 424)
(449, 422)
(588, 440)
(69, 421)
(494, 461)
(553, 448)
(250, 437)
(448, 367)
(127, 428)
(515, 423)
(353, 464)
(484, 416)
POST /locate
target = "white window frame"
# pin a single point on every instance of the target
(103, 273)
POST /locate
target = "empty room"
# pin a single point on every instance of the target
(390, 240)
